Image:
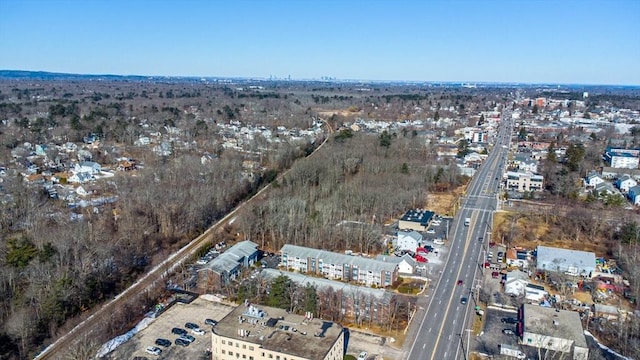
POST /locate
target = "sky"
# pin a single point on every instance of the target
(522, 41)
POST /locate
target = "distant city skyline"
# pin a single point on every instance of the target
(560, 42)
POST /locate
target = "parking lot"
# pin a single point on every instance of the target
(176, 316)
(489, 341)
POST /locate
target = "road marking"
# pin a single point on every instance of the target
(424, 345)
(429, 331)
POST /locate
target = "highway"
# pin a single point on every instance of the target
(442, 332)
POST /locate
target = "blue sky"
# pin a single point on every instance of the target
(586, 42)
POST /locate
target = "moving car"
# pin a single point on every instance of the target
(153, 350)
(463, 300)
(460, 282)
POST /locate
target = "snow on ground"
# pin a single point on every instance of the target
(112, 344)
(605, 348)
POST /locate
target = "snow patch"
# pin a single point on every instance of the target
(112, 344)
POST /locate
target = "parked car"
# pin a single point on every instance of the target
(431, 231)
(153, 350)
(190, 325)
(178, 331)
(182, 342)
(362, 355)
(438, 242)
(163, 342)
(198, 331)
(495, 274)
(210, 322)
(508, 332)
(188, 338)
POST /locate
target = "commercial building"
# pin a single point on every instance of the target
(554, 330)
(570, 262)
(252, 333)
(621, 158)
(415, 220)
(521, 182)
(338, 266)
(408, 240)
(226, 267)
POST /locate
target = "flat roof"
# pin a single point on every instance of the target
(563, 324)
(558, 259)
(418, 216)
(277, 330)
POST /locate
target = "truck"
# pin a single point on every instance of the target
(512, 351)
(467, 221)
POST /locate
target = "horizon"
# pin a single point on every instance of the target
(527, 42)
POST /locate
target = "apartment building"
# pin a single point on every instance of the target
(265, 333)
(521, 182)
(622, 158)
(338, 266)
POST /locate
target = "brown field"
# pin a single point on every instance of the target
(443, 203)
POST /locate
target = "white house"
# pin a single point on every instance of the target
(626, 182)
(406, 264)
(592, 180)
(80, 177)
(516, 283)
(88, 166)
(535, 293)
(408, 240)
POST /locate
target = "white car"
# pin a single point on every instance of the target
(431, 231)
(362, 356)
(153, 350)
(198, 331)
(438, 242)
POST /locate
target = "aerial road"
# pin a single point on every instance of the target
(443, 332)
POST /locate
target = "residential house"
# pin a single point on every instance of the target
(90, 167)
(516, 282)
(339, 266)
(592, 180)
(609, 312)
(228, 266)
(570, 262)
(415, 220)
(554, 330)
(81, 177)
(605, 188)
(625, 182)
(522, 182)
(517, 257)
(408, 240)
(634, 194)
(535, 293)
(406, 264)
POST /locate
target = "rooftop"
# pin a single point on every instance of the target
(548, 321)
(329, 257)
(419, 216)
(277, 330)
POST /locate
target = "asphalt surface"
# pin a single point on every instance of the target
(443, 332)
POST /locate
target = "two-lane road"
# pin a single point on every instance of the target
(442, 329)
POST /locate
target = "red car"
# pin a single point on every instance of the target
(459, 282)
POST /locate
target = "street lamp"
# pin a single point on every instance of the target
(468, 342)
